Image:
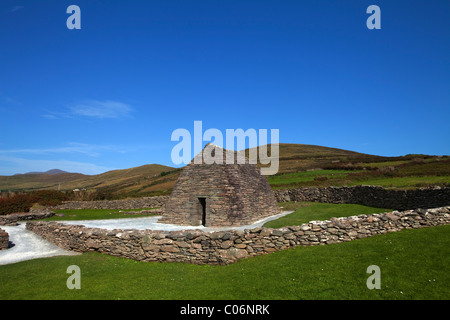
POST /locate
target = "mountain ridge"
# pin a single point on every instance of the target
(153, 179)
(51, 171)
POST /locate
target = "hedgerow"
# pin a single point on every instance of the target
(24, 202)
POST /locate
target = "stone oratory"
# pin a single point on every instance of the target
(220, 188)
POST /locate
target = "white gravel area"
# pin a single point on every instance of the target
(152, 223)
(26, 245)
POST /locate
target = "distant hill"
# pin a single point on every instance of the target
(301, 157)
(132, 179)
(52, 171)
(154, 179)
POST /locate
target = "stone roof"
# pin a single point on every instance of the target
(212, 153)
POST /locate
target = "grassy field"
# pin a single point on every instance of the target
(413, 265)
(305, 176)
(92, 214)
(308, 211)
(385, 164)
(405, 182)
(327, 177)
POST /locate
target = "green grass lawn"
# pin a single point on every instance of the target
(413, 263)
(404, 182)
(402, 178)
(306, 176)
(385, 163)
(308, 211)
(93, 214)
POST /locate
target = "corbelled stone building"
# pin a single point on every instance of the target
(220, 188)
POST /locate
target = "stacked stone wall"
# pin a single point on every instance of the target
(366, 195)
(373, 196)
(193, 246)
(14, 218)
(4, 239)
(135, 203)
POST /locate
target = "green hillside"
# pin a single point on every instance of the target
(300, 165)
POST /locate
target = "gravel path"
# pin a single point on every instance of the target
(152, 223)
(26, 245)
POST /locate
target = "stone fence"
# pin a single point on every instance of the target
(373, 196)
(12, 219)
(145, 202)
(4, 239)
(224, 247)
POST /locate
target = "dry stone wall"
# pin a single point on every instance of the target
(12, 219)
(366, 195)
(373, 196)
(144, 202)
(193, 246)
(4, 239)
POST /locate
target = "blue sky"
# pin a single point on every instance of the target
(110, 95)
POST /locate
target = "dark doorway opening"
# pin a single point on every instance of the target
(203, 204)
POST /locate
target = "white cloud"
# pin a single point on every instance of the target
(107, 109)
(73, 148)
(16, 8)
(50, 116)
(101, 109)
